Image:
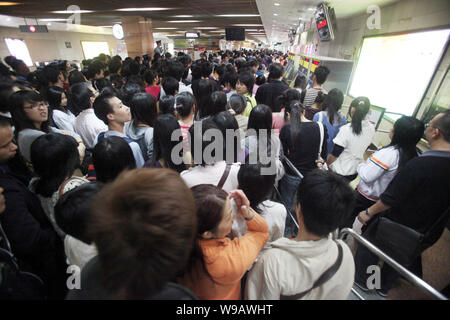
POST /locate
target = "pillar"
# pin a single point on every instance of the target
(138, 35)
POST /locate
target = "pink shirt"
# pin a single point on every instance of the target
(278, 121)
(184, 131)
(153, 90)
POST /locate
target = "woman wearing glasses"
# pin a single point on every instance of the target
(30, 116)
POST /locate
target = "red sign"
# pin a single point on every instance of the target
(322, 24)
(32, 28)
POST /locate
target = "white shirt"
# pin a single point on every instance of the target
(354, 147)
(275, 215)
(77, 252)
(377, 172)
(88, 126)
(181, 88)
(63, 120)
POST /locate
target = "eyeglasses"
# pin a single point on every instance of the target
(37, 106)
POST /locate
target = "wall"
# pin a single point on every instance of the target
(51, 45)
(402, 16)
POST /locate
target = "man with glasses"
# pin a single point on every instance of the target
(417, 197)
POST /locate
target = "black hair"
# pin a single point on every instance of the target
(167, 105)
(287, 97)
(260, 118)
(407, 133)
(237, 103)
(230, 78)
(184, 102)
(322, 215)
(218, 103)
(73, 211)
(76, 77)
(204, 91)
(260, 80)
(94, 68)
(116, 81)
(225, 121)
(443, 124)
(170, 85)
(150, 76)
(176, 70)
(256, 186)
(332, 104)
(248, 80)
(102, 107)
(206, 69)
(163, 144)
(51, 74)
(295, 110)
(143, 108)
(6, 90)
(300, 82)
(102, 83)
(79, 97)
(115, 65)
(275, 71)
(56, 164)
(362, 107)
(129, 90)
(19, 118)
(111, 155)
(321, 74)
(54, 96)
(200, 139)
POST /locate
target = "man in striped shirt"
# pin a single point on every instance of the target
(319, 77)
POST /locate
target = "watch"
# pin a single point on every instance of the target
(367, 212)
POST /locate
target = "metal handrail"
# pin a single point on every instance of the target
(394, 264)
(291, 166)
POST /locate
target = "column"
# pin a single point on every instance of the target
(138, 35)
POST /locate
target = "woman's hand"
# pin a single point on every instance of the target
(242, 204)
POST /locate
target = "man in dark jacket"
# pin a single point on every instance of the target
(32, 238)
(269, 92)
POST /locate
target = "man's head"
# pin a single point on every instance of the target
(325, 199)
(275, 71)
(95, 70)
(321, 74)
(8, 148)
(438, 128)
(158, 43)
(109, 108)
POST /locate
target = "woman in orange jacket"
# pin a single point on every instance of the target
(218, 263)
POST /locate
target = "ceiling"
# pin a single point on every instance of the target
(206, 12)
(288, 14)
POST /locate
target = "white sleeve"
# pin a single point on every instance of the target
(342, 138)
(259, 285)
(375, 166)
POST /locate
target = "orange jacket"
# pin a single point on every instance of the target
(227, 261)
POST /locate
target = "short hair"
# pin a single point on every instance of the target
(94, 68)
(102, 107)
(76, 77)
(143, 232)
(6, 90)
(321, 74)
(443, 124)
(115, 65)
(150, 76)
(206, 69)
(79, 96)
(129, 90)
(176, 70)
(111, 156)
(143, 108)
(324, 214)
(51, 74)
(231, 78)
(256, 186)
(58, 162)
(170, 85)
(73, 210)
(275, 71)
(167, 105)
(248, 80)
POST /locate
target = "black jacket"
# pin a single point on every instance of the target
(32, 238)
(268, 94)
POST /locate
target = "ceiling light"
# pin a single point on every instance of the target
(237, 15)
(275, 14)
(218, 31)
(183, 21)
(206, 28)
(276, 4)
(311, 9)
(247, 25)
(72, 11)
(183, 16)
(142, 9)
(4, 3)
(53, 19)
(166, 28)
(105, 26)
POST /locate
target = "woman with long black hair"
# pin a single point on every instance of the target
(352, 140)
(63, 118)
(383, 165)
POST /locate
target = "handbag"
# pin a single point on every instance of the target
(401, 243)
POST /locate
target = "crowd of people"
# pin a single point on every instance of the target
(166, 178)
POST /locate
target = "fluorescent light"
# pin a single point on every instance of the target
(247, 25)
(72, 11)
(184, 16)
(166, 28)
(4, 3)
(142, 9)
(275, 14)
(206, 28)
(276, 4)
(237, 15)
(53, 19)
(184, 21)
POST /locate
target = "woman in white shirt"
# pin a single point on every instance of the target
(382, 166)
(62, 117)
(236, 106)
(352, 141)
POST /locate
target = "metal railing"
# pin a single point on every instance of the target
(408, 275)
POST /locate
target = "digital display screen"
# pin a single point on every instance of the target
(394, 71)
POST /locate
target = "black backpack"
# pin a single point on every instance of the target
(16, 284)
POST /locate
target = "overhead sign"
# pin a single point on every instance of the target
(33, 28)
(192, 34)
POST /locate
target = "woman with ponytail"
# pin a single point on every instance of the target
(285, 99)
(352, 140)
(185, 110)
(382, 166)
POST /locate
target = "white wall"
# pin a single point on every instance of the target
(402, 16)
(51, 45)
